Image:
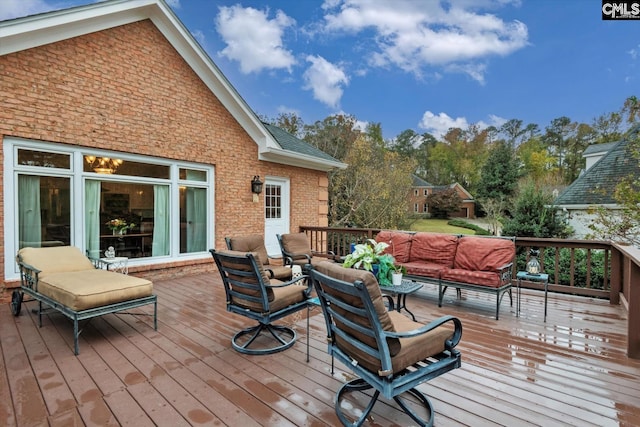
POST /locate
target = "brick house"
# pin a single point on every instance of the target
(420, 189)
(113, 111)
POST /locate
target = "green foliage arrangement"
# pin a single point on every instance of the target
(366, 255)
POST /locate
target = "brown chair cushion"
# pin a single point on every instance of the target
(251, 243)
(296, 243)
(484, 253)
(252, 291)
(350, 275)
(286, 296)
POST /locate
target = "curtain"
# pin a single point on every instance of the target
(160, 244)
(196, 219)
(30, 227)
(92, 217)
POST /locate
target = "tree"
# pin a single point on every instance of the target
(291, 123)
(444, 202)
(534, 215)
(334, 135)
(499, 174)
(372, 191)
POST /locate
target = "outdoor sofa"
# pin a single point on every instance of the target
(479, 263)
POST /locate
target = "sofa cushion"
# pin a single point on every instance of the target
(81, 290)
(55, 259)
(424, 269)
(438, 248)
(399, 244)
(484, 253)
(482, 278)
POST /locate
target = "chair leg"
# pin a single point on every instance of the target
(357, 384)
(284, 336)
(425, 402)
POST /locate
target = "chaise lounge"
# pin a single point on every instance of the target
(66, 280)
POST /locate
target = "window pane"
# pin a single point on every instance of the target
(44, 207)
(43, 159)
(127, 207)
(273, 201)
(193, 175)
(193, 219)
(115, 166)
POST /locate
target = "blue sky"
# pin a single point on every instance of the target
(425, 65)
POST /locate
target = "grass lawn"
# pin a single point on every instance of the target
(439, 226)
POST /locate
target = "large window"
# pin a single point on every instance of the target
(144, 208)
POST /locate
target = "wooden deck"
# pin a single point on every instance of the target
(571, 370)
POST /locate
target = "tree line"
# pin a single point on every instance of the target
(495, 164)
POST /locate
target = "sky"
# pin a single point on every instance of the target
(425, 65)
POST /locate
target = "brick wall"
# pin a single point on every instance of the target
(127, 89)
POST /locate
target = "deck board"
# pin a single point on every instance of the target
(570, 371)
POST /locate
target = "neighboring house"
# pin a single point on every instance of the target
(607, 164)
(114, 111)
(420, 189)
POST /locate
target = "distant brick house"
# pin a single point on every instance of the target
(420, 189)
(606, 165)
(113, 111)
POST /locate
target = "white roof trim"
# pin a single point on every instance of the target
(37, 30)
(291, 158)
(585, 207)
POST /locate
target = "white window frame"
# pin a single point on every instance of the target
(77, 178)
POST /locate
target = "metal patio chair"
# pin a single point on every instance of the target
(251, 293)
(255, 243)
(296, 250)
(389, 352)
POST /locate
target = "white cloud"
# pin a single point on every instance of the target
(325, 80)
(414, 35)
(439, 125)
(17, 8)
(254, 40)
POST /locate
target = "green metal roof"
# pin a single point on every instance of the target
(291, 143)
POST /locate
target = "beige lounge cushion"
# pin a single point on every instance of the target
(80, 290)
(56, 259)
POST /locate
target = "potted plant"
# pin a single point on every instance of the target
(396, 274)
(370, 256)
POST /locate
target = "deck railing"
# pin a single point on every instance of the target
(589, 268)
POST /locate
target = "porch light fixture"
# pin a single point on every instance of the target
(533, 265)
(103, 165)
(256, 187)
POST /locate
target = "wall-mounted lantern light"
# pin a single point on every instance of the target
(256, 187)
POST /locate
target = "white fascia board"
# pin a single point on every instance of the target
(584, 207)
(37, 30)
(300, 160)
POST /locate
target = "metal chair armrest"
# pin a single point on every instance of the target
(455, 339)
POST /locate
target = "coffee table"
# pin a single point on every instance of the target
(405, 288)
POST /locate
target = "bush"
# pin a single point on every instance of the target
(464, 224)
(564, 266)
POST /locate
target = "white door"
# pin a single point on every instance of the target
(276, 212)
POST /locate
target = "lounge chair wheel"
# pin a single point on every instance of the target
(16, 302)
